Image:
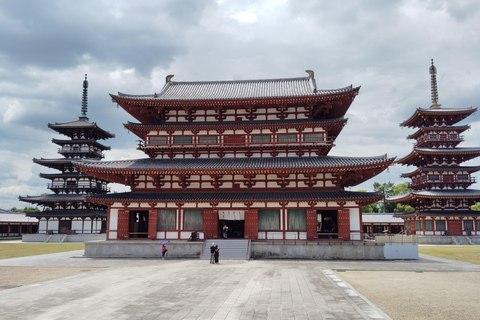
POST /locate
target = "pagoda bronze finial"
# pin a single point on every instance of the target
(85, 99)
(433, 76)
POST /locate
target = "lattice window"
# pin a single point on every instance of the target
(313, 137)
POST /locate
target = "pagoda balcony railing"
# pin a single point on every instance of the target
(442, 180)
(77, 187)
(440, 138)
(81, 151)
(243, 144)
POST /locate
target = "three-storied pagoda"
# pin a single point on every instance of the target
(251, 155)
(66, 211)
(440, 195)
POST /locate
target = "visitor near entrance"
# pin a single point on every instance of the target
(225, 231)
(217, 254)
(164, 251)
(212, 253)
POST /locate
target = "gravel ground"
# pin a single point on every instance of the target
(420, 295)
(11, 277)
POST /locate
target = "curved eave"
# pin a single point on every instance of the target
(67, 127)
(69, 214)
(417, 119)
(470, 169)
(411, 158)
(236, 197)
(113, 174)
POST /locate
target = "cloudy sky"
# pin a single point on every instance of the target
(130, 46)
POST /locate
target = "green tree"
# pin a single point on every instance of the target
(476, 206)
(14, 209)
(369, 208)
(387, 189)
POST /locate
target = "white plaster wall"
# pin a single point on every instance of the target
(42, 226)
(113, 222)
(77, 226)
(354, 219)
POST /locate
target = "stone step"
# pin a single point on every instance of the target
(231, 249)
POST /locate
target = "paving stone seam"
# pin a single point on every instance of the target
(350, 294)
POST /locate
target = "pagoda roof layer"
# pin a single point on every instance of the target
(82, 123)
(58, 163)
(237, 196)
(65, 175)
(437, 194)
(413, 157)
(175, 166)
(438, 168)
(63, 213)
(422, 130)
(238, 90)
(452, 116)
(48, 198)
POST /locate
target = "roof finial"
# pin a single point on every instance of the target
(433, 76)
(85, 98)
(310, 73)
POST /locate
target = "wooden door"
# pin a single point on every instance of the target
(210, 223)
(122, 229)
(344, 224)
(251, 224)
(152, 224)
(311, 224)
(455, 227)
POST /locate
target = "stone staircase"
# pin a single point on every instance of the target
(231, 249)
(461, 240)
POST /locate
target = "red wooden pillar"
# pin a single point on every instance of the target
(311, 224)
(210, 223)
(344, 224)
(251, 224)
(152, 224)
(123, 220)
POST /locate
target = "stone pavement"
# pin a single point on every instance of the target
(194, 289)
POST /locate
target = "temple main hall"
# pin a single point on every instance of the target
(251, 155)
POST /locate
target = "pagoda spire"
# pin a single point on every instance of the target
(84, 99)
(433, 76)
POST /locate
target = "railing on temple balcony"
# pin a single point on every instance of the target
(440, 138)
(242, 144)
(53, 186)
(81, 151)
(443, 180)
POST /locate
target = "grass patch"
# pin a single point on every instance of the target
(459, 253)
(13, 250)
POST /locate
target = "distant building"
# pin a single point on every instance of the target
(251, 155)
(440, 195)
(14, 224)
(66, 210)
(378, 224)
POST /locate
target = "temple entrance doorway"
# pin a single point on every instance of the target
(138, 224)
(65, 226)
(327, 224)
(235, 222)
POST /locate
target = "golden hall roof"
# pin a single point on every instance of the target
(239, 89)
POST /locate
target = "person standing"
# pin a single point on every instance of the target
(217, 253)
(164, 250)
(212, 253)
(225, 231)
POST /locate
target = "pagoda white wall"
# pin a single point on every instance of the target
(355, 224)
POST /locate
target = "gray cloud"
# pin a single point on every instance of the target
(384, 46)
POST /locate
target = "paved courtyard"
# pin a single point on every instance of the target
(261, 289)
